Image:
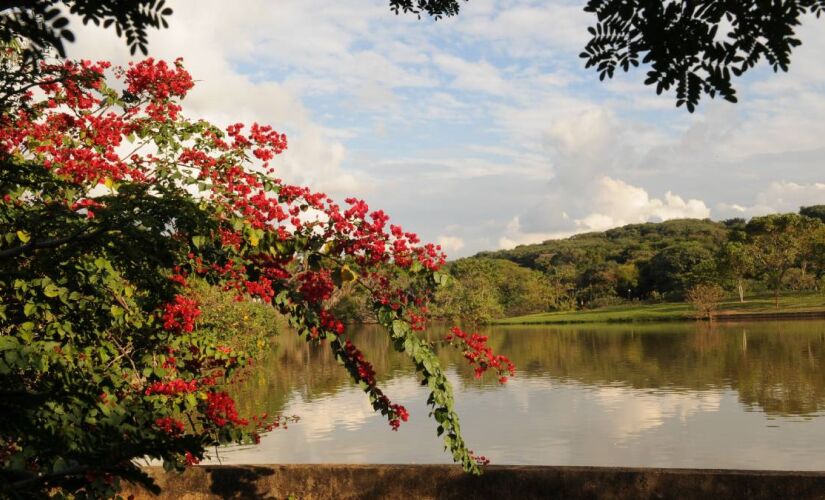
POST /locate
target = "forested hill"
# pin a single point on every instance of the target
(641, 262)
(629, 243)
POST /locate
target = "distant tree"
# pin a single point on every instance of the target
(673, 270)
(597, 282)
(735, 262)
(486, 289)
(816, 252)
(778, 244)
(562, 282)
(814, 212)
(627, 279)
(705, 298)
(472, 299)
(736, 224)
(798, 279)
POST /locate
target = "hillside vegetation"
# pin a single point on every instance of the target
(643, 264)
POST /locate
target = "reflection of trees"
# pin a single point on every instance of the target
(293, 365)
(774, 366)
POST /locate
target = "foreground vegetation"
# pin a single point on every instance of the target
(762, 304)
(119, 332)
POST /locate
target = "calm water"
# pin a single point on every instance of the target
(668, 395)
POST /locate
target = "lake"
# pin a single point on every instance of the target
(744, 395)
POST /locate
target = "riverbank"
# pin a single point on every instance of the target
(448, 481)
(791, 306)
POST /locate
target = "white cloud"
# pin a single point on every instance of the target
(782, 196)
(487, 118)
(468, 75)
(514, 235)
(613, 203)
(633, 414)
(530, 28)
(618, 203)
(450, 244)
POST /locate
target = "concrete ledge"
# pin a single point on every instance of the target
(499, 482)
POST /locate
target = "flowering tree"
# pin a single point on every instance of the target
(110, 202)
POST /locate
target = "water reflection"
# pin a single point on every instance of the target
(671, 395)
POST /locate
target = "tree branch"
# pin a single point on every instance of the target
(52, 243)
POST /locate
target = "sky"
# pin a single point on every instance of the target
(484, 131)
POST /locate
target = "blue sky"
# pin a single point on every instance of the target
(485, 131)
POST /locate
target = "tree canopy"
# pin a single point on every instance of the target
(694, 46)
(655, 261)
(42, 23)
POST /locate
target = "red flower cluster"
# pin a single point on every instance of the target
(158, 79)
(180, 315)
(478, 353)
(220, 409)
(170, 363)
(316, 286)
(262, 289)
(88, 205)
(73, 76)
(479, 459)
(364, 368)
(330, 323)
(172, 387)
(170, 425)
(191, 459)
(399, 414)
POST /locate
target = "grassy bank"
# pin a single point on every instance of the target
(679, 311)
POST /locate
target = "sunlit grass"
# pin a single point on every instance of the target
(679, 311)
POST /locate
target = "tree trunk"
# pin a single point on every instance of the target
(741, 289)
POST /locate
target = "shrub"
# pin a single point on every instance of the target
(114, 208)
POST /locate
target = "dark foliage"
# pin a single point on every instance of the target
(43, 26)
(435, 8)
(814, 212)
(688, 44)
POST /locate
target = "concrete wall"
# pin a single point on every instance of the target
(499, 482)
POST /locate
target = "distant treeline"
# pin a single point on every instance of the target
(640, 262)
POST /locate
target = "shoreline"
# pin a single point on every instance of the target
(757, 309)
(727, 318)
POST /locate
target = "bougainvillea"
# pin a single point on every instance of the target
(111, 201)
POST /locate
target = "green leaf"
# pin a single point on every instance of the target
(29, 309)
(441, 279)
(59, 465)
(400, 328)
(51, 290)
(117, 311)
(24, 236)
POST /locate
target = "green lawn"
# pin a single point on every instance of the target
(677, 311)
